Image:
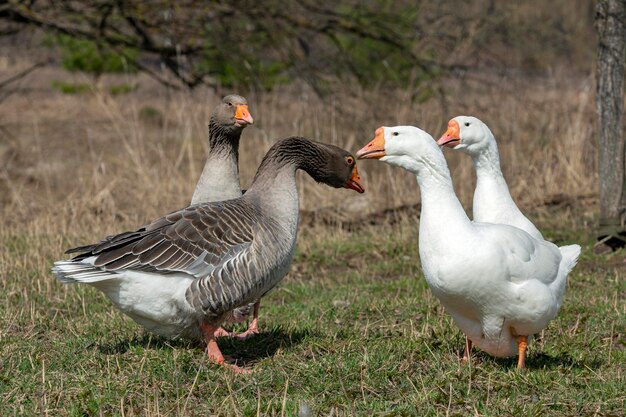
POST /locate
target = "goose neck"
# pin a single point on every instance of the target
(487, 162)
(275, 192)
(220, 176)
(224, 141)
(274, 187)
(287, 156)
(219, 180)
(441, 209)
(489, 177)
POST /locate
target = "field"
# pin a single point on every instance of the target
(353, 329)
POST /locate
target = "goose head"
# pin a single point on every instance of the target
(467, 134)
(405, 146)
(232, 114)
(325, 163)
(338, 170)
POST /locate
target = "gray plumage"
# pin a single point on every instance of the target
(198, 264)
(219, 180)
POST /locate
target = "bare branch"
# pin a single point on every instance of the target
(22, 73)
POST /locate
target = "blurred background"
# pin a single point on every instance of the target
(104, 104)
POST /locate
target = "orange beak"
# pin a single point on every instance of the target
(355, 181)
(376, 148)
(452, 137)
(242, 115)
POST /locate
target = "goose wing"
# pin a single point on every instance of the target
(195, 240)
(525, 257)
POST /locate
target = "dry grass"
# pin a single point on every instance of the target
(75, 162)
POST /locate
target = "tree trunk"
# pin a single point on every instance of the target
(611, 27)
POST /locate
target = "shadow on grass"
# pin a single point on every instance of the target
(263, 345)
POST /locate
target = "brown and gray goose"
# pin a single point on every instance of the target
(219, 180)
(183, 274)
(220, 177)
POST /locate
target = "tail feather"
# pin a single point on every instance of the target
(69, 272)
(569, 259)
(570, 255)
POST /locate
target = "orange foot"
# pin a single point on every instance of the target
(214, 352)
(253, 330)
(522, 344)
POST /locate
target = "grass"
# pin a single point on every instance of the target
(353, 330)
(69, 88)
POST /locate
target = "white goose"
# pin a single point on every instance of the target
(492, 200)
(498, 283)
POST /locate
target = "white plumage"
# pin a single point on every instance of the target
(156, 302)
(499, 283)
(492, 200)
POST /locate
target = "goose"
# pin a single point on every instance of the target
(183, 274)
(492, 200)
(219, 180)
(499, 284)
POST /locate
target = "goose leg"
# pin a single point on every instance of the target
(222, 332)
(468, 350)
(213, 350)
(522, 343)
(253, 329)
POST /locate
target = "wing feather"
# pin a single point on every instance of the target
(148, 242)
(195, 240)
(526, 257)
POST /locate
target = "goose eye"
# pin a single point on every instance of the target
(395, 133)
(467, 123)
(230, 104)
(349, 160)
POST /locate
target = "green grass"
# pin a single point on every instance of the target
(353, 330)
(71, 88)
(123, 88)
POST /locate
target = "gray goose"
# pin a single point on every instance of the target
(183, 274)
(219, 180)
